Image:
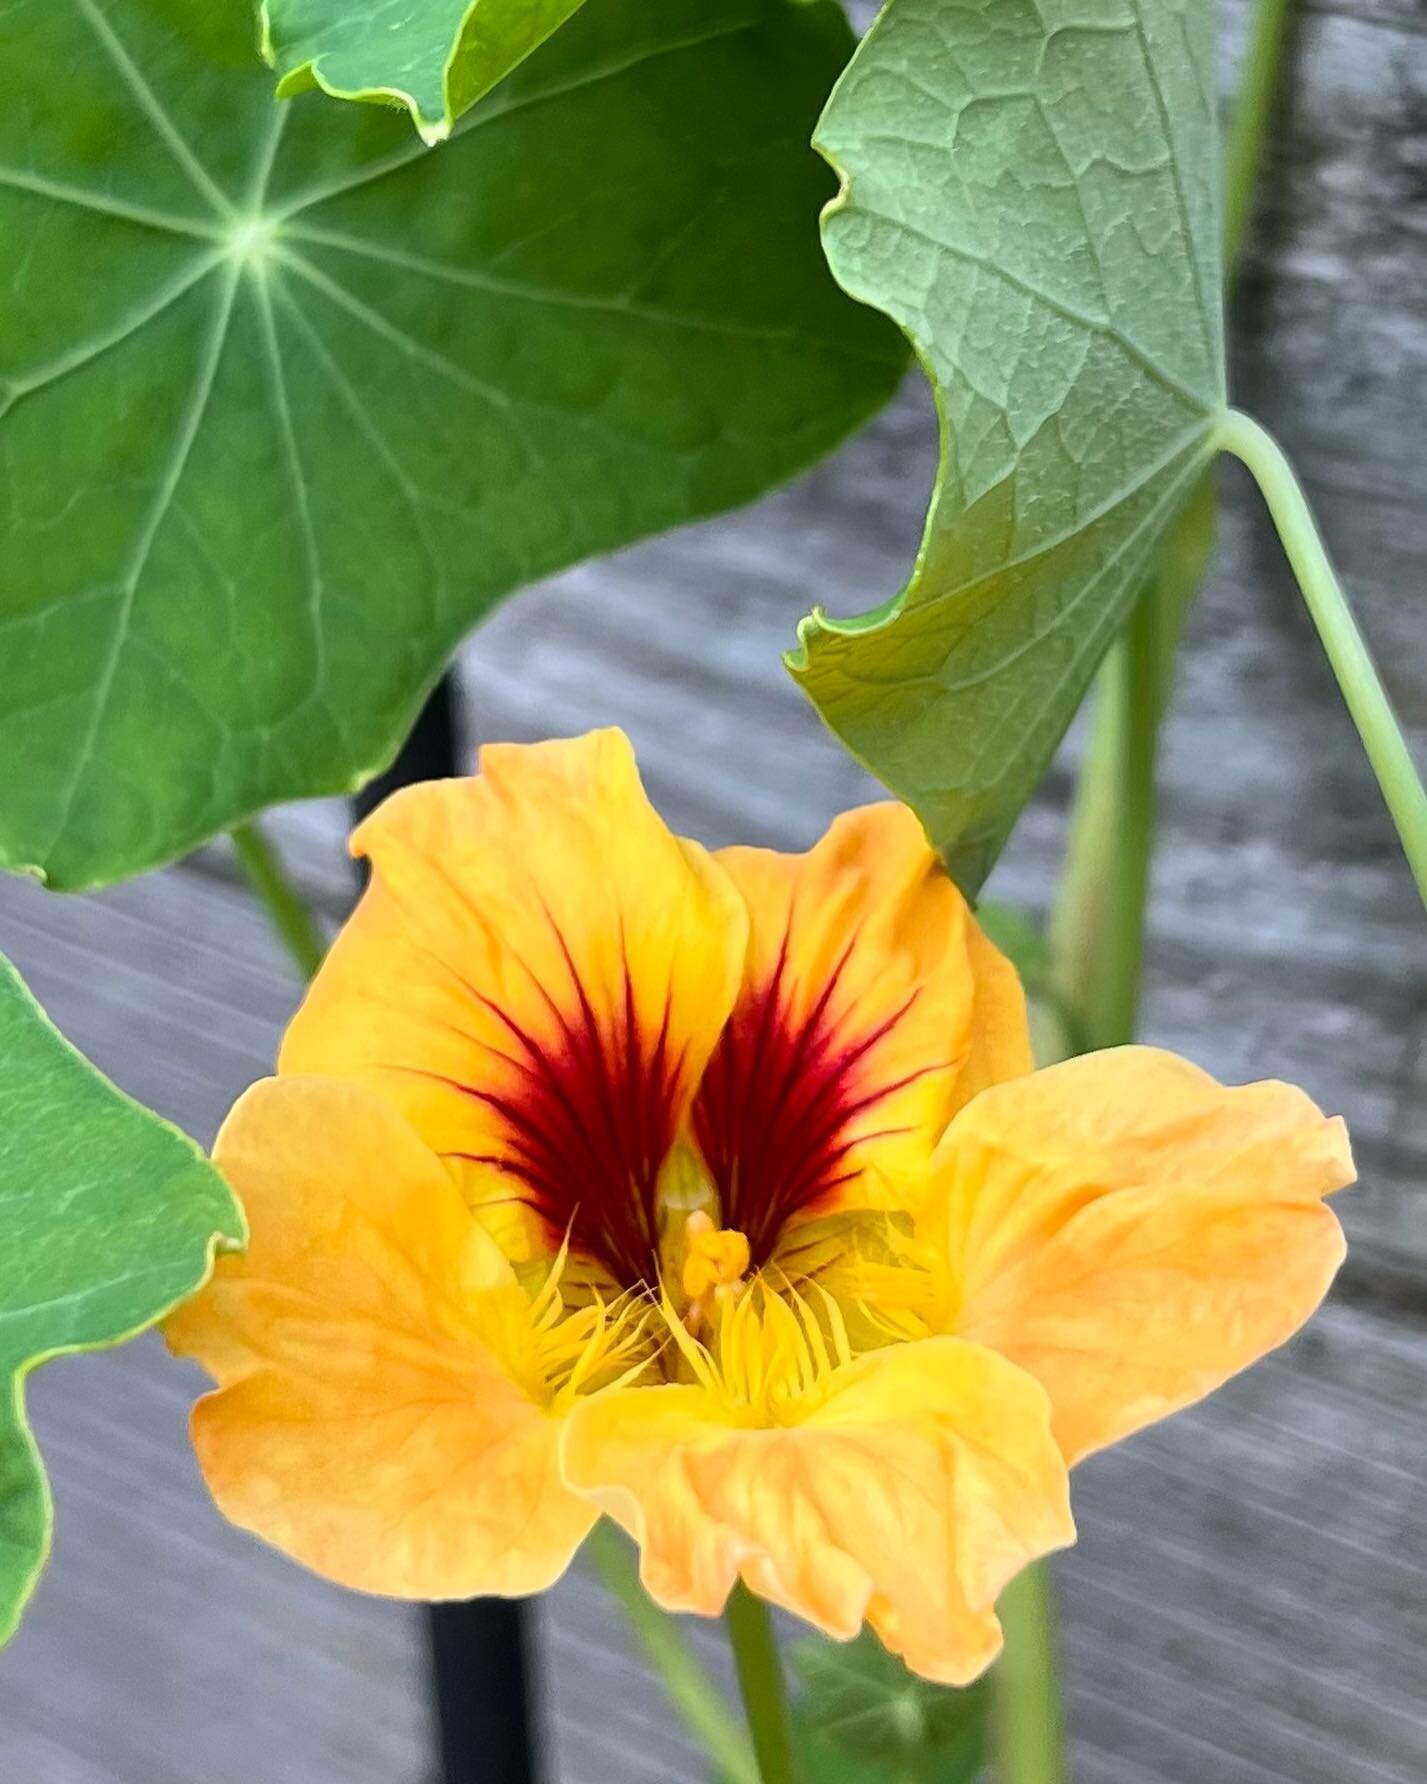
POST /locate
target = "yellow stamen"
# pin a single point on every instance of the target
(714, 1257)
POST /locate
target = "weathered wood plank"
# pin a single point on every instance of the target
(163, 1647)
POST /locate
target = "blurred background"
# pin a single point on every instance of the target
(1249, 1598)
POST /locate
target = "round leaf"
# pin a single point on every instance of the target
(287, 401)
(864, 1715)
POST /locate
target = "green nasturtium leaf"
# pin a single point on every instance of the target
(109, 1217)
(1031, 191)
(864, 1717)
(288, 402)
(435, 57)
(819, 1760)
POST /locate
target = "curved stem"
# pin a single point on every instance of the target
(1253, 110)
(691, 1690)
(1362, 689)
(760, 1679)
(1029, 1737)
(293, 922)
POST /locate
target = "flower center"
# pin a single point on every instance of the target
(252, 239)
(612, 1146)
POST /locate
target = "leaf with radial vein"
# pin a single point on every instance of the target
(108, 1218)
(435, 57)
(287, 402)
(1031, 191)
(864, 1715)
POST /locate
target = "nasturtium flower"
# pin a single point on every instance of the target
(716, 1193)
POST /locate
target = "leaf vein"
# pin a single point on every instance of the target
(190, 421)
(86, 352)
(105, 206)
(1099, 325)
(1201, 305)
(381, 450)
(473, 279)
(152, 107)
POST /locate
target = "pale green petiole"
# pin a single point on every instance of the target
(1253, 107)
(1348, 654)
(292, 921)
(760, 1679)
(692, 1692)
(1029, 1735)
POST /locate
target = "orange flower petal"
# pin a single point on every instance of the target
(365, 1420)
(1000, 1032)
(535, 977)
(920, 1481)
(1132, 1233)
(872, 1006)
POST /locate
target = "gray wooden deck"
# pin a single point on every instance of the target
(1249, 1598)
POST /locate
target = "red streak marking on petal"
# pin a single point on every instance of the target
(774, 1113)
(586, 1117)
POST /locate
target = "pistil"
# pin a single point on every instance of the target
(716, 1260)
